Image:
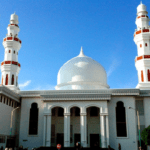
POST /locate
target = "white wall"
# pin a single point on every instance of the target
(5, 119)
(32, 140)
(129, 142)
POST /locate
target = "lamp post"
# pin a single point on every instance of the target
(140, 148)
(12, 119)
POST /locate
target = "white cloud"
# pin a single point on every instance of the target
(45, 87)
(115, 63)
(24, 84)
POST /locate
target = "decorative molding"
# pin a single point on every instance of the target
(47, 114)
(83, 114)
(66, 114)
(9, 93)
(103, 114)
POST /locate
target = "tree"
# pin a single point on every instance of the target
(146, 135)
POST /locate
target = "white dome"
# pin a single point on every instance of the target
(81, 73)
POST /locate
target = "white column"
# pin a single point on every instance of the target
(44, 130)
(66, 129)
(103, 134)
(48, 131)
(83, 129)
(107, 130)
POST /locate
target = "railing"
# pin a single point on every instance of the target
(12, 38)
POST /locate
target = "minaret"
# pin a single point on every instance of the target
(142, 40)
(10, 67)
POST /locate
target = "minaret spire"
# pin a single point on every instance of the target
(141, 39)
(10, 67)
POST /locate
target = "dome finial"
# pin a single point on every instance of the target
(141, 2)
(81, 53)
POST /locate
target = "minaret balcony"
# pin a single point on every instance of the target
(142, 57)
(11, 62)
(141, 31)
(142, 16)
(12, 39)
(13, 25)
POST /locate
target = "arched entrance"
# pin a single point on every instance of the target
(75, 135)
(57, 126)
(93, 126)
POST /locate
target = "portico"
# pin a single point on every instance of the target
(103, 123)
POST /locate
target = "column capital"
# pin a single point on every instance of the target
(66, 114)
(103, 114)
(83, 114)
(47, 114)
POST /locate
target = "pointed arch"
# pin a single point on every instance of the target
(6, 81)
(148, 75)
(12, 80)
(142, 76)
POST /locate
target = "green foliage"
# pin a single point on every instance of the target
(145, 134)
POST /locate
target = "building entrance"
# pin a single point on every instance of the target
(77, 138)
(60, 139)
(94, 140)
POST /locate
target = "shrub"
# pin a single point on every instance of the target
(145, 135)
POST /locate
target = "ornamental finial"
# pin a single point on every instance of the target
(81, 53)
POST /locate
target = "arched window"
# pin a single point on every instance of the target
(121, 120)
(14, 52)
(148, 74)
(33, 119)
(12, 80)
(6, 82)
(142, 76)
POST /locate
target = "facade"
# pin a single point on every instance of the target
(82, 108)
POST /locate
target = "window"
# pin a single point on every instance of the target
(6, 82)
(121, 120)
(4, 100)
(140, 45)
(10, 102)
(9, 51)
(140, 107)
(2, 139)
(148, 74)
(7, 101)
(146, 44)
(33, 119)
(77, 111)
(93, 111)
(60, 112)
(12, 80)
(0, 98)
(142, 76)
(14, 52)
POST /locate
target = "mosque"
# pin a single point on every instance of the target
(82, 108)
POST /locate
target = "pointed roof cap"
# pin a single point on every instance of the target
(81, 53)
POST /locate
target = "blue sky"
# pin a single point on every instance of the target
(53, 31)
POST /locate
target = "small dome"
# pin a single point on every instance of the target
(14, 19)
(141, 8)
(81, 72)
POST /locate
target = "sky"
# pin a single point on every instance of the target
(53, 31)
